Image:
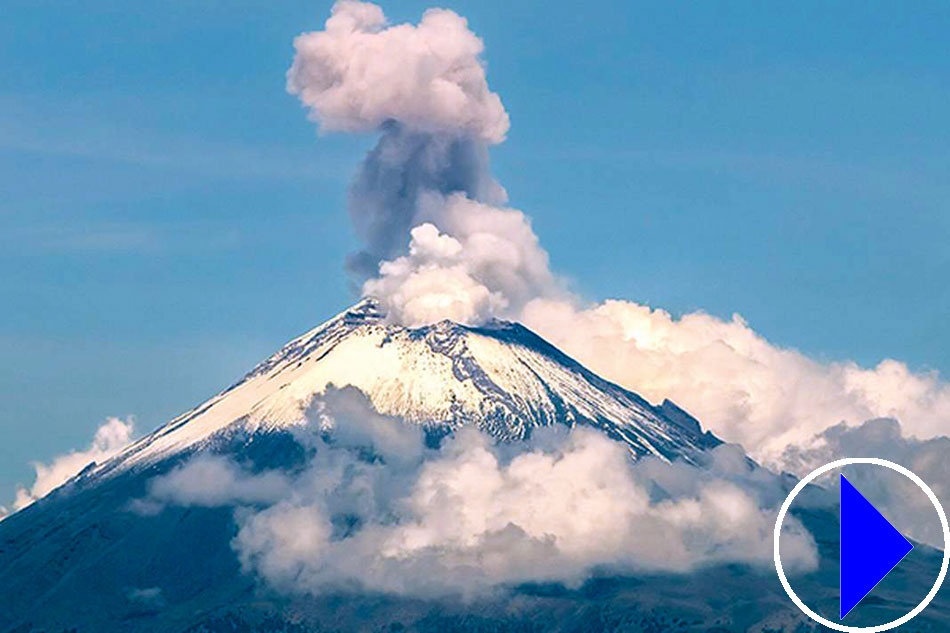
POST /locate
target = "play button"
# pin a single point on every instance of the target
(870, 547)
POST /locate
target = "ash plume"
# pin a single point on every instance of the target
(405, 165)
(423, 89)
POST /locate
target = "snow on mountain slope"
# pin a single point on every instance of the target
(501, 377)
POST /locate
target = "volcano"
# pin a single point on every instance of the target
(81, 560)
(501, 377)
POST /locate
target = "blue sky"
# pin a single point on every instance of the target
(168, 216)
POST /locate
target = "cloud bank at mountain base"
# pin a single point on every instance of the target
(377, 510)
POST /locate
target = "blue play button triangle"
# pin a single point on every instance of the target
(870, 547)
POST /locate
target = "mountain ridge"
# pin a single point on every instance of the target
(500, 376)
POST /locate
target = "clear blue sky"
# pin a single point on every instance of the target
(168, 216)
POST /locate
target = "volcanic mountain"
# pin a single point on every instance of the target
(84, 560)
(500, 377)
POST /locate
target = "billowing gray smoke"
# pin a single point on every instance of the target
(439, 242)
(404, 165)
(359, 72)
(424, 89)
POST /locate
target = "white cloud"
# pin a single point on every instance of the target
(112, 436)
(353, 423)
(427, 286)
(739, 385)
(468, 263)
(359, 73)
(472, 516)
(470, 522)
(212, 480)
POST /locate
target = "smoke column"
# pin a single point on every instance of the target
(438, 240)
(423, 88)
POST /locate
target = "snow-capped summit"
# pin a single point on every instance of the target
(500, 377)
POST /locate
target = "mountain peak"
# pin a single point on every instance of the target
(500, 377)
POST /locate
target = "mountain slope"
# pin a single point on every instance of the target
(501, 377)
(82, 563)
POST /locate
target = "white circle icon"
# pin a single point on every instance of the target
(876, 462)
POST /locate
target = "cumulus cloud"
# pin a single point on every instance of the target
(353, 423)
(896, 496)
(740, 386)
(359, 72)
(211, 480)
(470, 521)
(371, 512)
(112, 436)
(469, 263)
(433, 283)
